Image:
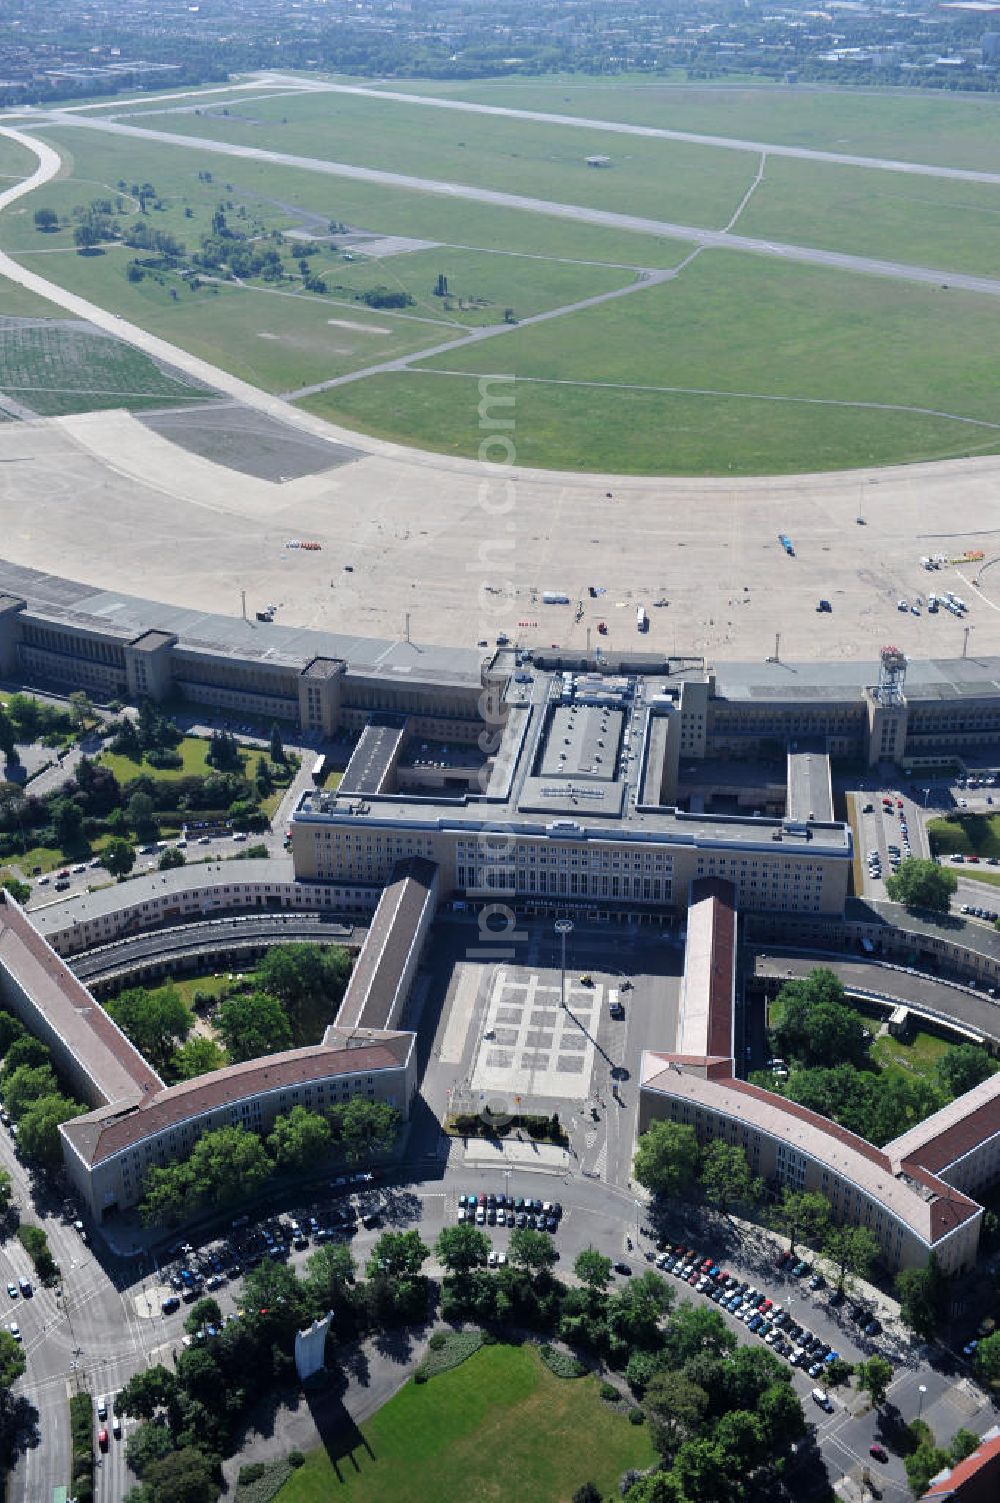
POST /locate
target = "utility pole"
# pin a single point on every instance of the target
(563, 927)
(243, 603)
(777, 647)
(965, 641)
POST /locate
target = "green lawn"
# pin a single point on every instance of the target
(965, 835)
(730, 335)
(678, 181)
(193, 751)
(919, 1057)
(480, 285)
(957, 130)
(499, 1427)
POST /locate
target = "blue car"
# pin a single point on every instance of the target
(831, 1356)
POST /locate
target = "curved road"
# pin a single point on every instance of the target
(578, 213)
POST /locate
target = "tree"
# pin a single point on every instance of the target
(204, 1312)
(921, 1298)
(633, 1314)
(171, 858)
(309, 980)
(701, 1473)
(696, 1330)
(675, 1407)
(963, 1066)
(397, 1256)
(185, 1476)
(988, 1358)
(365, 1128)
(8, 738)
(962, 1445)
(12, 1363)
(67, 824)
(25, 1050)
(922, 884)
(264, 777)
(81, 709)
(140, 816)
(874, 1377)
(853, 1249)
(300, 1139)
(148, 1442)
(462, 1248)
(740, 1437)
(26, 1084)
(126, 741)
(155, 1022)
(274, 1290)
(46, 220)
(277, 747)
(533, 1252)
(666, 1158)
(803, 1215)
(779, 1410)
(726, 1178)
(924, 1463)
(6, 1192)
(330, 1273)
(253, 1026)
(19, 891)
(593, 1269)
(198, 1056)
(150, 1390)
(225, 1165)
(38, 1131)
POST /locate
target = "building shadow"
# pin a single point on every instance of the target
(342, 1440)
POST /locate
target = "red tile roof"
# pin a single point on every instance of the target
(974, 1480)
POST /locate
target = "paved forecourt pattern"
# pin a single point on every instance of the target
(537, 1048)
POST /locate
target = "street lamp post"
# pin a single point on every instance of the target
(920, 1406)
(564, 926)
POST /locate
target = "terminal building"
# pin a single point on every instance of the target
(574, 811)
(66, 635)
(915, 1195)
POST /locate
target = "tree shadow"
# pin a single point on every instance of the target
(19, 1427)
(400, 1206)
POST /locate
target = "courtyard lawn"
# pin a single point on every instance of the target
(965, 835)
(919, 1057)
(499, 1426)
(193, 751)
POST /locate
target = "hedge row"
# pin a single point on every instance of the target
(81, 1424)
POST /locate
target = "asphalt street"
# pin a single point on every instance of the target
(578, 213)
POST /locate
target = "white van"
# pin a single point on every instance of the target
(822, 1398)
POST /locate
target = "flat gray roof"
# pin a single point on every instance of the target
(378, 970)
(373, 759)
(181, 881)
(582, 742)
(288, 646)
(810, 790)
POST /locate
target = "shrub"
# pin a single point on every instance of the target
(610, 1392)
(268, 1478)
(454, 1349)
(489, 1338)
(437, 1341)
(35, 1244)
(636, 1416)
(81, 1426)
(420, 1376)
(296, 1459)
(563, 1364)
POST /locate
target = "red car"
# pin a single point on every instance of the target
(102, 1439)
(879, 1452)
(899, 803)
